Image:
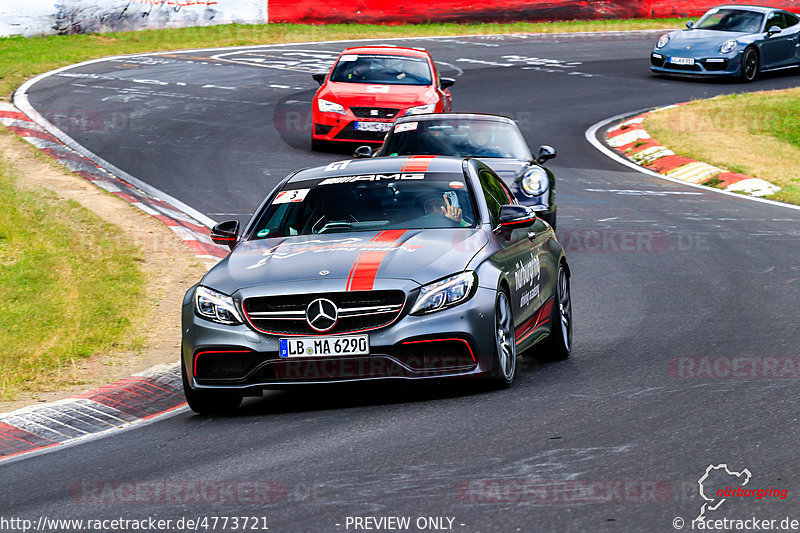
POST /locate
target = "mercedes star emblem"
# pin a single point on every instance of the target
(322, 314)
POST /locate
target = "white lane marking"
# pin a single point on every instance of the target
(482, 62)
(299, 60)
(151, 82)
(473, 43)
(645, 192)
(540, 61)
(591, 137)
(459, 71)
(211, 86)
(607, 219)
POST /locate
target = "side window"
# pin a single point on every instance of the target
(791, 20)
(496, 194)
(776, 19)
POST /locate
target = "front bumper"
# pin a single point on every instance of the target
(719, 65)
(334, 127)
(450, 343)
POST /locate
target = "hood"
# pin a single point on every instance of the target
(699, 41)
(352, 261)
(508, 169)
(377, 95)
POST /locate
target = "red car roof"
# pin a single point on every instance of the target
(387, 50)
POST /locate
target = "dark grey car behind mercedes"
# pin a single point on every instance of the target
(495, 140)
(403, 268)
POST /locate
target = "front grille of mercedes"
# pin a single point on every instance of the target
(358, 311)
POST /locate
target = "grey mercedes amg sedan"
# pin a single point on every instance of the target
(388, 268)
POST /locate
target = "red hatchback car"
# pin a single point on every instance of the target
(368, 87)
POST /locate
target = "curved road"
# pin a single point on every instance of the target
(614, 439)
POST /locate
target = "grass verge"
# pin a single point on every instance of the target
(22, 58)
(757, 134)
(70, 287)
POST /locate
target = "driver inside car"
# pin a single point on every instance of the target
(440, 205)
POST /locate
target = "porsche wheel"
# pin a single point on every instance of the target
(750, 65)
(505, 349)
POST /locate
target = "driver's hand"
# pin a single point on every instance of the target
(450, 211)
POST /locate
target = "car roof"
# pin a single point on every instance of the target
(383, 165)
(454, 116)
(387, 50)
(745, 7)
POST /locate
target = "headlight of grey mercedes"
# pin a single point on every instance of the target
(445, 293)
(216, 307)
(534, 182)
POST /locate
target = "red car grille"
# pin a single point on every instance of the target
(374, 112)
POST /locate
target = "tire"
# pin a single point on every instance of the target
(750, 65)
(209, 402)
(558, 344)
(504, 363)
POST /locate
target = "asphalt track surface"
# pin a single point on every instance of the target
(569, 446)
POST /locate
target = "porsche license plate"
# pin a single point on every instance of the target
(374, 126)
(324, 346)
(681, 60)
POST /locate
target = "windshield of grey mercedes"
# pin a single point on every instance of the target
(367, 202)
(457, 137)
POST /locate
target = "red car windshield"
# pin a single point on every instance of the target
(383, 69)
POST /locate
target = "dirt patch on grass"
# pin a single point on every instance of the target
(169, 265)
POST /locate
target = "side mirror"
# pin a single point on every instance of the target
(773, 30)
(363, 152)
(690, 24)
(516, 216)
(319, 77)
(446, 82)
(226, 233)
(546, 153)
